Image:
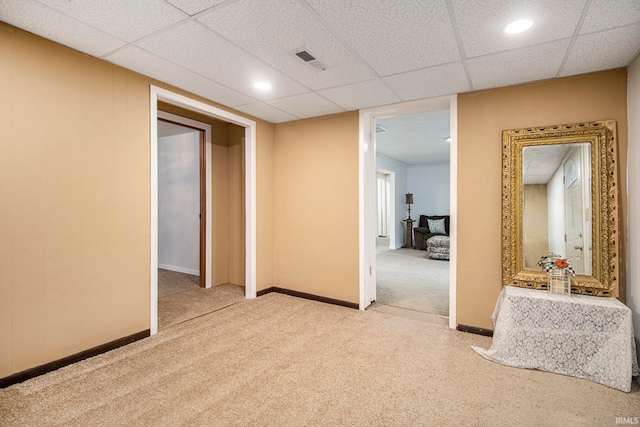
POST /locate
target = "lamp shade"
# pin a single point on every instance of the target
(409, 198)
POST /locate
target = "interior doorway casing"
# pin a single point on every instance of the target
(367, 199)
(160, 94)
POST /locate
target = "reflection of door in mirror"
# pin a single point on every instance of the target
(577, 210)
(557, 204)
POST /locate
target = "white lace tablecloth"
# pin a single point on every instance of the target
(578, 335)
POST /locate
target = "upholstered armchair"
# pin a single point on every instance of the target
(421, 233)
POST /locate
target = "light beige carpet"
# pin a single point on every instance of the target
(406, 279)
(382, 244)
(172, 282)
(283, 361)
(186, 305)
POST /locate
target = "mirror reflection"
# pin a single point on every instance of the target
(557, 204)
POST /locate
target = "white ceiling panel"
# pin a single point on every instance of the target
(481, 23)
(285, 26)
(360, 95)
(430, 82)
(127, 19)
(393, 36)
(191, 7)
(606, 14)
(518, 66)
(150, 65)
(194, 47)
(46, 22)
(603, 50)
(416, 139)
(377, 52)
(266, 112)
(306, 105)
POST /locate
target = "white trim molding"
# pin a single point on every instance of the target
(179, 269)
(367, 168)
(160, 94)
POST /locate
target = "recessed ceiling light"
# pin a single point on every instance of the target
(518, 26)
(262, 85)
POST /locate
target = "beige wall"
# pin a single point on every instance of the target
(75, 201)
(75, 192)
(316, 206)
(536, 223)
(481, 118)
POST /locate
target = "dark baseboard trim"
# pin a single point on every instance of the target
(19, 377)
(308, 296)
(264, 291)
(475, 330)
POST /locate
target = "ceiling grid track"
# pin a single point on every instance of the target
(326, 25)
(456, 32)
(237, 46)
(576, 33)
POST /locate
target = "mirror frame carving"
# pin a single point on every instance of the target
(604, 198)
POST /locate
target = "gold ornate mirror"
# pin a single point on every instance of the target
(559, 195)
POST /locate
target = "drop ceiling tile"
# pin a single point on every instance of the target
(605, 14)
(393, 36)
(284, 26)
(430, 82)
(196, 48)
(306, 105)
(150, 65)
(191, 7)
(129, 20)
(360, 95)
(481, 23)
(266, 112)
(48, 23)
(518, 66)
(603, 50)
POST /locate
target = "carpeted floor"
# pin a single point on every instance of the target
(284, 361)
(172, 282)
(177, 308)
(406, 279)
(382, 244)
(180, 297)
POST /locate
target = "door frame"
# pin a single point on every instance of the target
(164, 95)
(367, 188)
(205, 162)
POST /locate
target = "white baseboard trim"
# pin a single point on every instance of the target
(179, 269)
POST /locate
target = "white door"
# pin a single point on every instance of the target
(574, 225)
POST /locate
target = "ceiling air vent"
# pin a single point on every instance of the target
(309, 59)
(381, 129)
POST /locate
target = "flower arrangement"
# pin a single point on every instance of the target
(555, 262)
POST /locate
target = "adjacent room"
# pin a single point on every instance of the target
(412, 215)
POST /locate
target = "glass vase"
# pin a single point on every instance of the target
(559, 282)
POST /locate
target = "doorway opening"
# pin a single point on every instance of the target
(184, 162)
(244, 217)
(428, 181)
(414, 274)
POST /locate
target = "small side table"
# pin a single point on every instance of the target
(408, 237)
